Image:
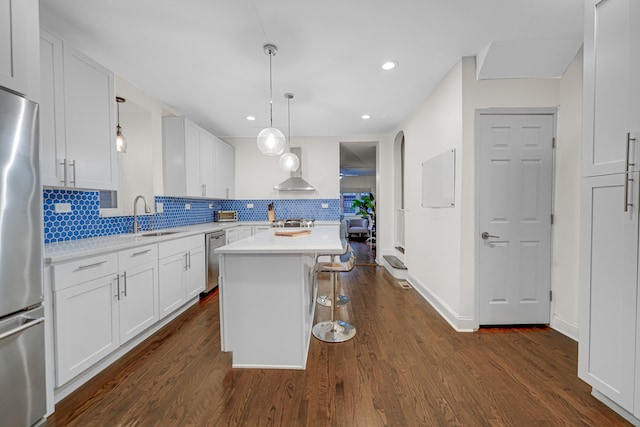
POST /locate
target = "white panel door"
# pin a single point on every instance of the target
(89, 101)
(192, 159)
(171, 282)
(207, 163)
(52, 134)
(608, 286)
(515, 192)
(13, 45)
(86, 326)
(138, 300)
(611, 87)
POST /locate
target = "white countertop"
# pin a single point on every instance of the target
(324, 239)
(73, 249)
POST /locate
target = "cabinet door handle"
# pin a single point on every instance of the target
(186, 266)
(140, 253)
(117, 295)
(73, 165)
(124, 277)
(203, 187)
(64, 172)
(95, 264)
(189, 258)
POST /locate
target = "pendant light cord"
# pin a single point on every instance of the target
(270, 91)
(289, 122)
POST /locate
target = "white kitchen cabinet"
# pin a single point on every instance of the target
(188, 157)
(260, 228)
(138, 290)
(608, 285)
(181, 272)
(611, 87)
(231, 235)
(18, 45)
(77, 118)
(85, 314)
(244, 231)
(225, 170)
(609, 300)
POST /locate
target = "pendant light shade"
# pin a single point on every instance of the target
(121, 142)
(289, 162)
(270, 140)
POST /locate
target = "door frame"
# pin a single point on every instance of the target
(552, 111)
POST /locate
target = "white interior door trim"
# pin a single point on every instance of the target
(553, 111)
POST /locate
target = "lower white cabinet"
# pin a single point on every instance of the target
(608, 287)
(244, 231)
(138, 290)
(182, 272)
(86, 314)
(101, 303)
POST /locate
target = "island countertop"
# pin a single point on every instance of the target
(323, 239)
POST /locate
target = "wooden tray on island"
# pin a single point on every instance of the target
(292, 233)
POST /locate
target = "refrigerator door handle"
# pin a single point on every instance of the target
(27, 325)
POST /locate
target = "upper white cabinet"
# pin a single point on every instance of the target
(611, 87)
(190, 166)
(609, 246)
(225, 170)
(19, 45)
(77, 119)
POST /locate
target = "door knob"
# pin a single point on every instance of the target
(486, 235)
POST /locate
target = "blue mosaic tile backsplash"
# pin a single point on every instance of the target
(84, 219)
(285, 208)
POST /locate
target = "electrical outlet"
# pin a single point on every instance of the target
(325, 206)
(159, 207)
(249, 205)
(210, 205)
(62, 207)
(187, 206)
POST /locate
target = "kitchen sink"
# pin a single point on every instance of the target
(158, 233)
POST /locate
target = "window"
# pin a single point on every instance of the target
(347, 201)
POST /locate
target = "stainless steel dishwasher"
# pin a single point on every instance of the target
(213, 240)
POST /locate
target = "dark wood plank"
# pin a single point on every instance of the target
(405, 367)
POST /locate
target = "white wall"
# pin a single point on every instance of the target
(440, 243)
(432, 239)
(257, 174)
(363, 184)
(566, 231)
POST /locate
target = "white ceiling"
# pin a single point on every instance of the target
(205, 58)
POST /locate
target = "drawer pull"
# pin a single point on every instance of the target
(95, 264)
(141, 252)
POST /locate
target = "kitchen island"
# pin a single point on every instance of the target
(267, 297)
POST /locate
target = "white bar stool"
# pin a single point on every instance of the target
(335, 330)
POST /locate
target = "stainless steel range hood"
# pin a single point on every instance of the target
(296, 182)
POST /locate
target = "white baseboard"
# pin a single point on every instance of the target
(457, 322)
(565, 327)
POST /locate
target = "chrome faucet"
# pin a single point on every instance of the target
(136, 226)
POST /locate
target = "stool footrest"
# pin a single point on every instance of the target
(325, 300)
(334, 331)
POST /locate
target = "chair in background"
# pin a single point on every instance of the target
(359, 226)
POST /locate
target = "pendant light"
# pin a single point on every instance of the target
(270, 140)
(121, 142)
(289, 162)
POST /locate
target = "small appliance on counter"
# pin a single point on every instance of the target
(294, 223)
(225, 216)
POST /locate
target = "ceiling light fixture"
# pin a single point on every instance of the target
(366, 116)
(270, 140)
(389, 65)
(121, 142)
(251, 118)
(289, 162)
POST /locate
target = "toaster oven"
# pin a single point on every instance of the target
(225, 216)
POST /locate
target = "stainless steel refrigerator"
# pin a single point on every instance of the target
(22, 360)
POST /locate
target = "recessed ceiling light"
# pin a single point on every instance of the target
(366, 117)
(389, 65)
(251, 118)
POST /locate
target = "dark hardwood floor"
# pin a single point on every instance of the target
(405, 367)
